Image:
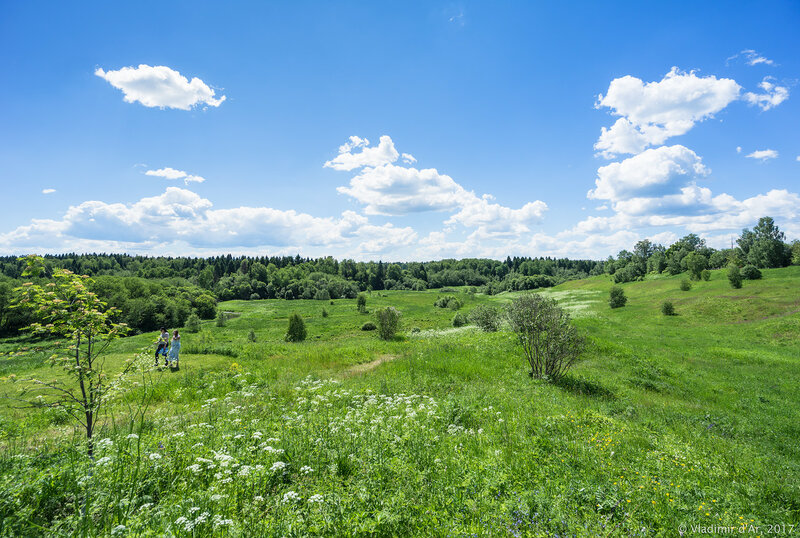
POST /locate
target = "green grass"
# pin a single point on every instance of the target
(665, 421)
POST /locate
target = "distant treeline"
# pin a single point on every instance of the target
(155, 291)
(762, 247)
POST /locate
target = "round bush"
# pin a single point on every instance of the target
(251, 336)
(193, 323)
(388, 322)
(667, 308)
(705, 275)
(734, 276)
(486, 317)
(616, 297)
(686, 285)
(369, 326)
(324, 313)
(751, 272)
(459, 320)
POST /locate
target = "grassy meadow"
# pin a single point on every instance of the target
(666, 421)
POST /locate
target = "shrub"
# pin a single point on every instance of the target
(486, 317)
(448, 301)
(322, 295)
(667, 308)
(324, 313)
(734, 276)
(459, 320)
(254, 297)
(297, 329)
(251, 335)
(388, 322)
(332, 301)
(361, 303)
(368, 326)
(193, 324)
(616, 297)
(549, 341)
(686, 285)
(751, 272)
(221, 318)
(696, 263)
(416, 330)
(705, 275)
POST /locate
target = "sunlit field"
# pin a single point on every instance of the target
(665, 421)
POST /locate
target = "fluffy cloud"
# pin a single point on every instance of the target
(654, 111)
(383, 153)
(180, 215)
(159, 86)
(773, 95)
(397, 190)
(48, 191)
(654, 172)
(390, 189)
(763, 155)
(171, 173)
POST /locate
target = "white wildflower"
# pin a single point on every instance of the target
(154, 456)
(305, 469)
(278, 466)
(316, 498)
(290, 496)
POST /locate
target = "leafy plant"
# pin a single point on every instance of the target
(388, 322)
(369, 326)
(616, 297)
(361, 303)
(221, 319)
(549, 341)
(751, 272)
(448, 301)
(705, 275)
(486, 317)
(686, 285)
(193, 324)
(324, 313)
(65, 309)
(251, 335)
(296, 332)
(459, 320)
(667, 308)
(734, 276)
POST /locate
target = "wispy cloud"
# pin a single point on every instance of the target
(48, 191)
(763, 154)
(751, 58)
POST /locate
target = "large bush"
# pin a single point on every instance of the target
(667, 308)
(751, 272)
(616, 297)
(448, 301)
(297, 329)
(459, 320)
(388, 322)
(686, 285)
(193, 324)
(361, 303)
(734, 276)
(486, 317)
(549, 341)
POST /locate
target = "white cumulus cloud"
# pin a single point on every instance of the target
(159, 86)
(383, 153)
(773, 95)
(655, 111)
(171, 173)
(763, 154)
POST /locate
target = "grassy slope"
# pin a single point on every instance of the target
(666, 420)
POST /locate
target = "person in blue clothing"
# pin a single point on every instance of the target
(174, 349)
(163, 345)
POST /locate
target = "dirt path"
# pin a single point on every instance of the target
(365, 367)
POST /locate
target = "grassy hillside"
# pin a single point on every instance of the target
(666, 421)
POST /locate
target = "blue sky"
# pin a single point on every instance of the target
(499, 107)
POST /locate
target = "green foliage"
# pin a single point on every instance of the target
(221, 319)
(795, 248)
(324, 313)
(734, 276)
(361, 303)
(192, 323)
(705, 275)
(65, 308)
(696, 263)
(667, 308)
(322, 295)
(459, 320)
(549, 341)
(251, 335)
(448, 301)
(388, 322)
(296, 332)
(616, 297)
(751, 272)
(764, 245)
(486, 317)
(685, 284)
(369, 326)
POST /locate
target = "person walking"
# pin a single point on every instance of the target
(175, 349)
(163, 344)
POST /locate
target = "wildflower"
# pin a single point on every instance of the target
(258, 499)
(316, 498)
(119, 530)
(132, 436)
(290, 496)
(154, 456)
(103, 461)
(195, 468)
(305, 469)
(278, 466)
(216, 497)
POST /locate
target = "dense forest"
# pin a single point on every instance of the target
(156, 291)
